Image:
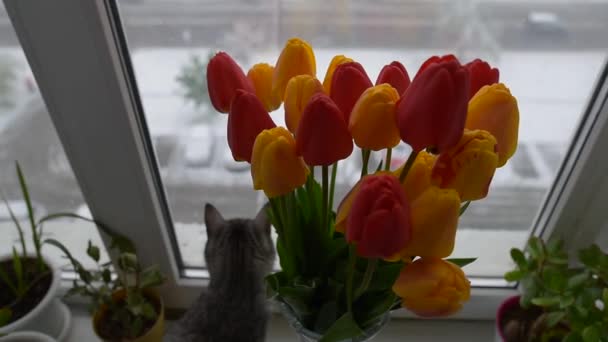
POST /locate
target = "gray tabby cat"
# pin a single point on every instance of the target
(239, 254)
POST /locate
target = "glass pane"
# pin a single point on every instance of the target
(548, 53)
(27, 135)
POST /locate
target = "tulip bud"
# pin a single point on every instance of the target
(297, 58)
(337, 60)
(275, 166)
(322, 137)
(480, 74)
(372, 122)
(300, 90)
(495, 110)
(436, 59)
(423, 120)
(432, 287)
(379, 220)
(246, 120)
(224, 78)
(261, 77)
(348, 83)
(395, 75)
(469, 166)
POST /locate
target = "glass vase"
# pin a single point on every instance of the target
(306, 335)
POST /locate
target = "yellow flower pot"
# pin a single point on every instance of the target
(154, 334)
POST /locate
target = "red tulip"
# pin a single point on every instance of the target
(480, 74)
(224, 78)
(322, 137)
(348, 83)
(436, 59)
(395, 75)
(379, 219)
(432, 111)
(246, 120)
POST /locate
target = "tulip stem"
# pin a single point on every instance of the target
(365, 155)
(389, 153)
(324, 214)
(352, 258)
(367, 277)
(332, 189)
(408, 165)
(276, 212)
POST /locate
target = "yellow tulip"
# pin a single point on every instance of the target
(434, 221)
(469, 166)
(418, 178)
(297, 58)
(298, 93)
(261, 77)
(495, 110)
(372, 121)
(337, 60)
(432, 287)
(275, 166)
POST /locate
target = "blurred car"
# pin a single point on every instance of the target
(545, 23)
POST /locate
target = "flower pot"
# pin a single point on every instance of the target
(505, 307)
(154, 334)
(306, 335)
(27, 336)
(49, 316)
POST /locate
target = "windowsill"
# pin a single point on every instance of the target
(398, 329)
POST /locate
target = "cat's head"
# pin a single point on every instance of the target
(237, 243)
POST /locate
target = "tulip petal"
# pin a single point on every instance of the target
(261, 78)
(297, 58)
(224, 78)
(337, 60)
(298, 93)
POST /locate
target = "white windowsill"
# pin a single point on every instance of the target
(398, 329)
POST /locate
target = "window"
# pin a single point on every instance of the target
(545, 57)
(147, 159)
(28, 136)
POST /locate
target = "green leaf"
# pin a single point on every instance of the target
(577, 280)
(464, 208)
(299, 298)
(605, 297)
(151, 277)
(106, 275)
(573, 337)
(17, 224)
(30, 211)
(519, 258)
(384, 277)
(545, 301)
(148, 311)
(371, 306)
(554, 317)
(18, 269)
(93, 251)
(554, 246)
(461, 262)
(5, 316)
(327, 316)
(591, 334)
(344, 328)
(512, 276)
(566, 301)
(536, 247)
(590, 256)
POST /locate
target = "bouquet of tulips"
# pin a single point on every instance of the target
(386, 247)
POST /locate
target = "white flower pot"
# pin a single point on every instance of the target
(27, 336)
(49, 317)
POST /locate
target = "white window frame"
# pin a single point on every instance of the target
(82, 65)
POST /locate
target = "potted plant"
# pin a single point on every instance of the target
(125, 306)
(29, 282)
(559, 302)
(387, 245)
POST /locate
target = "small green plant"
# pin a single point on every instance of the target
(573, 300)
(21, 275)
(128, 318)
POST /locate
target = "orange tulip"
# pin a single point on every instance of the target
(434, 221)
(224, 78)
(418, 178)
(275, 166)
(261, 77)
(300, 90)
(432, 287)
(297, 58)
(469, 166)
(322, 137)
(372, 121)
(246, 120)
(495, 110)
(337, 60)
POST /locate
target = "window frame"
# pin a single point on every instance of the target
(79, 57)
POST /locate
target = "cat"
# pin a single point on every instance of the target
(239, 254)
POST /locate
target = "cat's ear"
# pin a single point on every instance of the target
(262, 222)
(213, 219)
